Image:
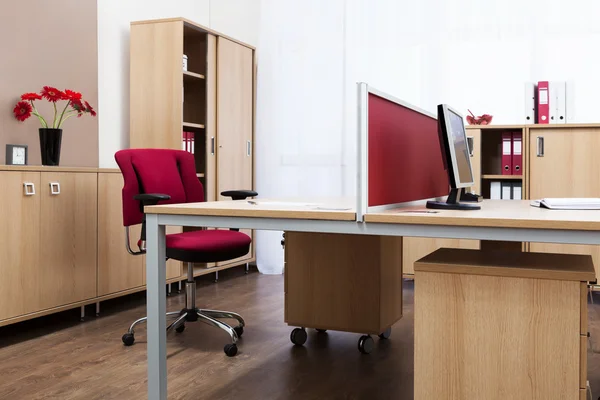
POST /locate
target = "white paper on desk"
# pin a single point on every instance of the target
(568, 203)
(281, 204)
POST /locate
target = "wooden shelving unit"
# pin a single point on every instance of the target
(213, 99)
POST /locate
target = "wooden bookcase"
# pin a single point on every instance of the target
(559, 160)
(214, 98)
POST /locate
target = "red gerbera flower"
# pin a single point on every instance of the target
(31, 96)
(89, 109)
(52, 94)
(78, 106)
(72, 95)
(22, 110)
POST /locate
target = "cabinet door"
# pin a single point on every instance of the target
(234, 116)
(117, 269)
(567, 167)
(68, 235)
(19, 244)
(234, 120)
(415, 248)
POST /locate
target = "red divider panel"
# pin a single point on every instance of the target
(405, 158)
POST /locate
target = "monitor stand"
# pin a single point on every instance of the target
(452, 203)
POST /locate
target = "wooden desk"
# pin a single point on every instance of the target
(497, 220)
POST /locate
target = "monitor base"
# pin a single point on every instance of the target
(442, 205)
(452, 203)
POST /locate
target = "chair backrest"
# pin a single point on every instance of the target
(164, 171)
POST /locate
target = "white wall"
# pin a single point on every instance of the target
(471, 54)
(236, 18)
(300, 119)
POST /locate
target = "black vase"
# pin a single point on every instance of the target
(50, 139)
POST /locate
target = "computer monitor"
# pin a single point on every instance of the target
(455, 151)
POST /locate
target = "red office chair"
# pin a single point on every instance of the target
(153, 176)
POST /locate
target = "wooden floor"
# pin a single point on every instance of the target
(58, 357)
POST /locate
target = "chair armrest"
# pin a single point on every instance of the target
(151, 199)
(239, 194)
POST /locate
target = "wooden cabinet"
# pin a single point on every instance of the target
(68, 237)
(349, 283)
(213, 100)
(565, 163)
(19, 243)
(48, 240)
(117, 269)
(509, 329)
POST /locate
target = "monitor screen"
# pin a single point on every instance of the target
(461, 159)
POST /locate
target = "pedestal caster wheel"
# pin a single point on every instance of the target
(230, 349)
(321, 330)
(180, 328)
(386, 334)
(366, 344)
(298, 336)
(128, 339)
(239, 330)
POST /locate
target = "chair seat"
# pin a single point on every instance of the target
(207, 245)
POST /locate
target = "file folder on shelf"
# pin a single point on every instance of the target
(517, 192)
(506, 191)
(529, 103)
(187, 143)
(561, 102)
(517, 150)
(543, 103)
(495, 190)
(507, 168)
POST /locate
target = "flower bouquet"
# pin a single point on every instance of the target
(51, 133)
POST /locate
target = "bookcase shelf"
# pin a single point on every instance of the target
(503, 177)
(192, 125)
(192, 76)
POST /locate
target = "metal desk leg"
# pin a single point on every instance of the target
(156, 277)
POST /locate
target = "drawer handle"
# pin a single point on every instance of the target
(540, 146)
(54, 188)
(248, 148)
(212, 145)
(29, 188)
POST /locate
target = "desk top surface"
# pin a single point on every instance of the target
(336, 209)
(493, 213)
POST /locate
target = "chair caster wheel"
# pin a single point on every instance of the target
(386, 334)
(230, 349)
(321, 330)
(366, 344)
(180, 328)
(298, 336)
(239, 330)
(128, 339)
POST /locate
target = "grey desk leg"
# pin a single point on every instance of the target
(156, 277)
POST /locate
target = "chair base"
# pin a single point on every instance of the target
(192, 314)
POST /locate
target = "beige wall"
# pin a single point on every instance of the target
(49, 43)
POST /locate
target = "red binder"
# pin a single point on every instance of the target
(507, 168)
(543, 103)
(517, 158)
